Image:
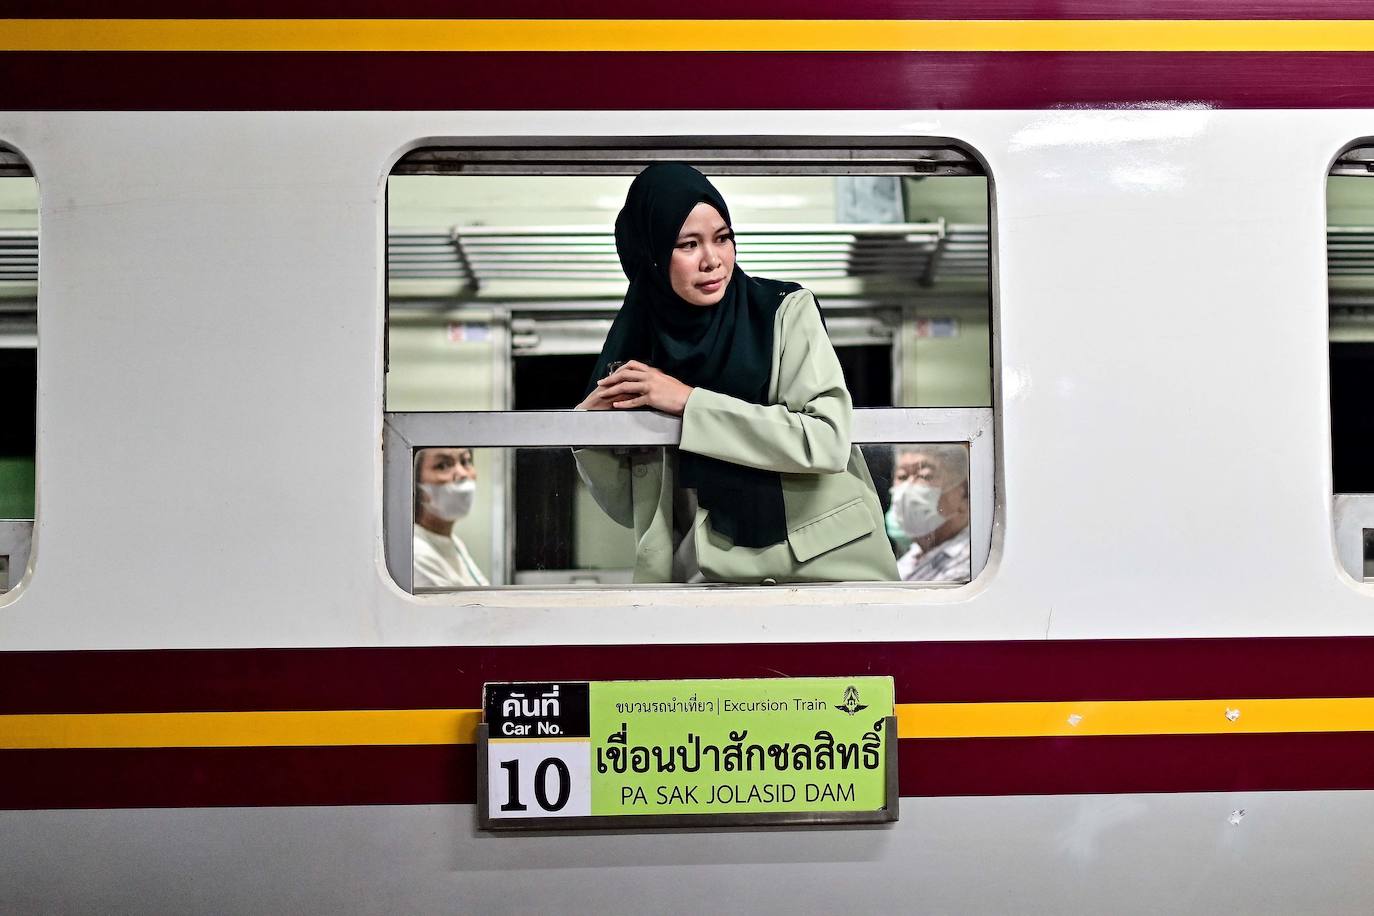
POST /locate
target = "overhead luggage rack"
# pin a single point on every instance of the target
(424, 254)
(18, 256)
(1350, 251)
(911, 252)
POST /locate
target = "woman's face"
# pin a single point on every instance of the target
(703, 257)
(446, 465)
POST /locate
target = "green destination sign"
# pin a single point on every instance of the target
(776, 750)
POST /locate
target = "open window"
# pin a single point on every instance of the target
(503, 280)
(1350, 272)
(18, 360)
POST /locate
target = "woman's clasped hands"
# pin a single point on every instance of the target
(635, 384)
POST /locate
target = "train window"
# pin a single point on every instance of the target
(18, 360)
(1350, 281)
(503, 282)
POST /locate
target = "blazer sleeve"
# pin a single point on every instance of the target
(607, 476)
(807, 431)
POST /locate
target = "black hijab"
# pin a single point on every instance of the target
(727, 347)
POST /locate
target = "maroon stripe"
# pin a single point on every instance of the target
(197, 777)
(703, 9)
(265, 679)
(1137, 763)
(635, 80)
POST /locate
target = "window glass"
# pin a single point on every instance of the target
(562, 536)
(925, 490)
(504, 280)
(571, 508)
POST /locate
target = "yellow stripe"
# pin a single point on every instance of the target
(685, 35)
(241, 729)
(458, 726)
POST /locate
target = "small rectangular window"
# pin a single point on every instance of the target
(18, 361)
(504, 279)
(1350, 272)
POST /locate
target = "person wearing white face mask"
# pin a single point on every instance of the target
(930, 502)
(445, 487)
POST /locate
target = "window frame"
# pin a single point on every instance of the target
(1351, 513)
(404, 432)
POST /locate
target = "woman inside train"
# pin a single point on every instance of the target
(445, 488)
(765, 486)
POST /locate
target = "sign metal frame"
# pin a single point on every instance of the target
(639, 822)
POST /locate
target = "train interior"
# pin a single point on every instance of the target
(502, 282)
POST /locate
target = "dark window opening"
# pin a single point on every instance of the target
(1352, 417)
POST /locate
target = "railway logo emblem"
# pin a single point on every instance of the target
(851, 702)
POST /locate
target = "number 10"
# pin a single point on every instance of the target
(541, 785)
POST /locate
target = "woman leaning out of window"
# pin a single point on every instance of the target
(765, 486)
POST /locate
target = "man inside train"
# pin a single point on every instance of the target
(930, 501)
(445, 488)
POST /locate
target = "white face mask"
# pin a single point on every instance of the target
(450, 501)
(917, 507)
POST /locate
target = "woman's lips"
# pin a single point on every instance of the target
(710, 286)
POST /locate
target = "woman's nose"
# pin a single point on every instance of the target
(710, 258)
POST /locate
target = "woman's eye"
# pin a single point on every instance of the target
(687, 246)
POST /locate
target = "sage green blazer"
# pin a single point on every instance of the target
(835, 529)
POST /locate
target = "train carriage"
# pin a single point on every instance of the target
(252, 260)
